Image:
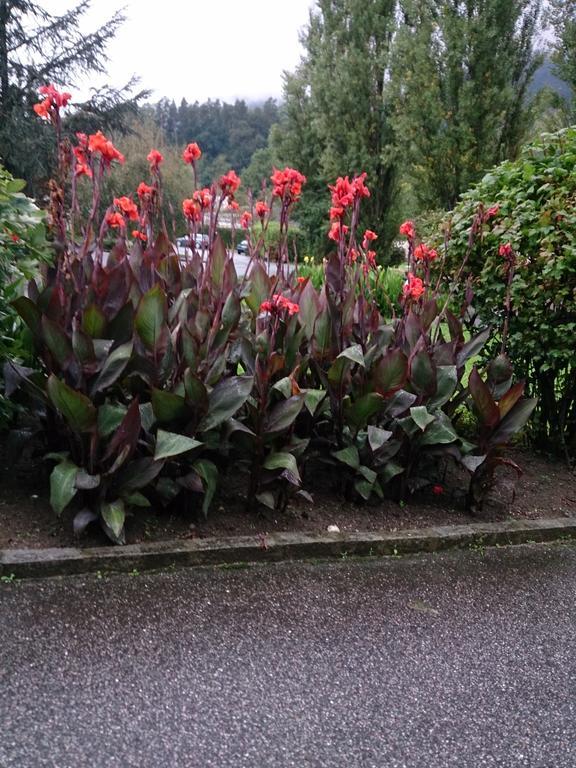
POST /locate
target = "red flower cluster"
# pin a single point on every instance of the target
(203, 198)
(287, 184)
(53, 101)
(97, 142)
(278, 304)
(192, 153)
(155, 158)
(261, 209)
(408, 229)
(128, 207)
(337, 230)
(229, 184)
(139, 235)
(423, 253)
(246, 220)
(191, 210)
(413, 287)
(115, 220)
(492, 212)
(82, 167)
(369, 237)
(506, 251)
(346, 192)
(145, 191)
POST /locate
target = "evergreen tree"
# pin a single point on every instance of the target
(562, 16)
(37, 47)
(336, 118)
(460, 74)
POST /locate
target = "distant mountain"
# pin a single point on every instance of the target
(544, 77)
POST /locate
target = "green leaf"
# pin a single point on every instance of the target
(348, 456)
(138, 474)
(170, 444)
(313, 398)
(441, 432)
(114, 367)
(368, 474)
(446, 383)
(77, 409)
(260, 287)
(94, 322)
(284, 415)
(473, 347)
(389, 471)
(285, 461)
(62, 485)
(509, 400)
(227, 397)
(422, 373)
(377, 437)
(514, 421)
(114, 515)
(391, 373)
(151, 316)
(29, 312)
(86, 482)
(421, 416)
(363, 409)
(167, 406)
(209, 474)
(136, 499)
(109, 418)
(57, 341)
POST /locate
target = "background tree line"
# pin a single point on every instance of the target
(423, 95)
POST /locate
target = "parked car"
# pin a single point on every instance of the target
(201, 241)
(242, 246)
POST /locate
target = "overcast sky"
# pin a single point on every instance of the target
(201, 49)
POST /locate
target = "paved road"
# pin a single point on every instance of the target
(462, 659)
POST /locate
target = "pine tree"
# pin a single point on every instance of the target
(562, 17)
(37, 47)
(336, 115)
(460, 76)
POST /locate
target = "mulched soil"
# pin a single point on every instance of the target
(546, 489)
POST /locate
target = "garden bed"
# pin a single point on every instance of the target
(546, 489)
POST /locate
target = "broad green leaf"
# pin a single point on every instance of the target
(85, 481)
(377, 437)
(170, 444)
(114, 515)
(421, 416)
(136, 499)
(364, 488)
(113, 368)
(389, 471)
(57, 341)
(391, 373)
(29, 312)
(422, 373)
(94, 322)
(509, 400)
(446, 383)
(225, 400)
(309, 304)
(473, 347)
(260, 287)
(109, 418)
(363, 409)
(138, 474)
(167, 406)
(231, 311)
(77, 409)
(313, 398)
(62, 485)
(441, 432)
(209, 474)
(472, 462)
(285, 461)
(514, 421)
(348, 456)
(368, 474)
(284, 414)
(151, 316)
(217, 261)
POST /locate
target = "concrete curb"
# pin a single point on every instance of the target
(39, 563)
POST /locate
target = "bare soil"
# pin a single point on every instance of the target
(546, 489)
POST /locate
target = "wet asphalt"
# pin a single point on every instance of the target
(459, 659)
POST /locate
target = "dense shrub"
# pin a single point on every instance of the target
(22, 249)
(163, 376)
(530, 204)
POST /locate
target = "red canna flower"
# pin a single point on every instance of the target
(192, 153)
(506, 251)
(423, 253)
(337, 230)
(437, 490)
(128, 207)
(229, 183)
(115, 220)
(345, 192)
(336, 212)
(233, 205)
(203, 197)
(413, 287)
(301, 280)
(246, 220)
(14, 237)
(54, 100)
(369, 237)
(359, 187)
(371, 258)
(353, 256)
(261, 209)
(98, 143)
(139, 235)
(408, 229)
(492, 212)
(155, 158)
(191, 209)
(287, 184)
(279, 304)
(42, 109)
